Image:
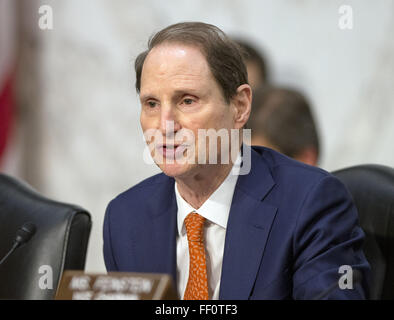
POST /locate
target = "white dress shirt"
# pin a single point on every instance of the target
(215, 210)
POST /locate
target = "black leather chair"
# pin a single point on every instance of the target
(372, 189)
(60, 241)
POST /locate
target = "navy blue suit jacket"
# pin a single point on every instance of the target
(290, 228)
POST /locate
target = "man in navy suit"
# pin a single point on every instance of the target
(278, 229)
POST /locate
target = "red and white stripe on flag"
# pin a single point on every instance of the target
(7, 67)
(6, 112)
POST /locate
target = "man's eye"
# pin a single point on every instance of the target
(188, 101)
(152, 104)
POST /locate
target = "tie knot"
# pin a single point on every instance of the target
(194, 224)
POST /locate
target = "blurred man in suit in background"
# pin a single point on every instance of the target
(256, 65)
(282, 119)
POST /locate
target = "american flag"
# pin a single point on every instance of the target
(7, 69)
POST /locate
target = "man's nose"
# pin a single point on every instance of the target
(169, 124)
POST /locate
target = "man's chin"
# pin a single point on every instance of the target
(174, 170)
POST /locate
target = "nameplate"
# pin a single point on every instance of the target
(77, 285)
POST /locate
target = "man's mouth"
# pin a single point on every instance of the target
(172, 151)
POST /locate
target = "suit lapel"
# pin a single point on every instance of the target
(248, 228)
(163, 249)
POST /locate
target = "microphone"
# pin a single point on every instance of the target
(23, 235)
(357, 276)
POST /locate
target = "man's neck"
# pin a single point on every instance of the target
(196, 189)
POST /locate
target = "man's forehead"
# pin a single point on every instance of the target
(176, 57)
(177, 49)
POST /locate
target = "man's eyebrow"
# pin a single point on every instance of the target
(176, 94)
(148, 96)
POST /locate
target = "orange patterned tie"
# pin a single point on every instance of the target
(197, 284)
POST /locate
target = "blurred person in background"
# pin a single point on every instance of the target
(256, 64)
(281, 119)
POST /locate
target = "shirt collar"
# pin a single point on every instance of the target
(217, 207)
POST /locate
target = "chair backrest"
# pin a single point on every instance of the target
(34, 270)
(372, 189)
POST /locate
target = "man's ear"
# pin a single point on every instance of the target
(242, 102)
